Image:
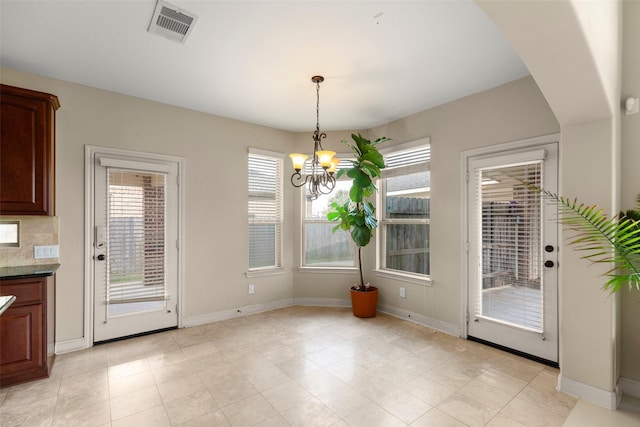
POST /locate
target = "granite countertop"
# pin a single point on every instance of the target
(28, 271)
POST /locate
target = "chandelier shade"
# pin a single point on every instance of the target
(320, 176)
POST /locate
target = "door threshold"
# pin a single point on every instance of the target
(516, 352)
(140, 334)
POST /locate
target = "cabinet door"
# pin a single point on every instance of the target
(26, 152)
(21, 342)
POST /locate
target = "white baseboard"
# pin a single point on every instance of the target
(322, 302)
(630, 387)
(235, 312)
(595, 395)
(438, 325)
(71, 345)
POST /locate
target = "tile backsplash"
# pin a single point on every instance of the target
(34, 231)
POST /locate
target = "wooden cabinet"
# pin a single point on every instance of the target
(26, 330)
(27, 151)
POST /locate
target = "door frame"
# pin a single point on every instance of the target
(89, 202)
(522, 144)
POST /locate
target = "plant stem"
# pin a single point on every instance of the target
(360, 267)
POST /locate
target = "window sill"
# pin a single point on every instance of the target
(334, 270)
(265, 272)
(405, 277)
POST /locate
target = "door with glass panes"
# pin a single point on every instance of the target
(135, 247)
(512, 251)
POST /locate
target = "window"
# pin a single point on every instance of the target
(405, 210)
(265, 210)
(321, 246)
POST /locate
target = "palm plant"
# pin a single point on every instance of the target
(610, 240)
(358, 215)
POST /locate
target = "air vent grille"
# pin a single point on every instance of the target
(170, 22)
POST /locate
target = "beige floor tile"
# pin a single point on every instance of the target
(252, 364)
(29, 415)
(210, 419)
(403, 405)
(93, 414)
(319, 382)
(454, 373)
(249, 411)
(504, 421)
(428, 390)
(311, 413)
(31, 392)
(180, 387)
(189, 407)
(586, 414)
(373, 415)
(160, 360)
(131, 403)
(325, 357)
(130, 384)
(486, 394)
(83, 366)
(467, 410)
(523, 369)
(232, 392)
(268, 378)
(298, 367)
(128, 368)
(343, 400)
(274, 421)
(173, 371)
(502, 381)
(560, 403)
(198, 350)
(220, 374)
(436, 418)
(286, 396)
(152, 417)
(531, 414)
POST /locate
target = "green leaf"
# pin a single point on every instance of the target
(356, 193)
(374, 157)
(361, 236)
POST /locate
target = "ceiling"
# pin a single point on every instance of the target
(253, 61)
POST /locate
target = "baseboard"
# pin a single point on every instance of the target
(71, 345)
(438, 325)
(595, 395)
(630, 387)
(235, 312)
(322, 302)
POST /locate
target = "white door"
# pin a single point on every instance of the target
(512, 256)
(134, 246)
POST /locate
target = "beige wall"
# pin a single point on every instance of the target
(631, 179)
(215, 150)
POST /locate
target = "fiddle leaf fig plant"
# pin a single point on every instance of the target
(605, 239)
(358, 214)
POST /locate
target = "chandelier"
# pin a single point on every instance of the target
(320, 174)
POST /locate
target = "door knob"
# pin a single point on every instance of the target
(548, 263)
(101, 257)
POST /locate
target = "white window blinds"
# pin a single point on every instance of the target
(265, 210)
(511, 249)
(136, 236)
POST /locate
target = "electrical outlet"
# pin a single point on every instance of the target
(403, 293)
(42, 252)
(252, 289)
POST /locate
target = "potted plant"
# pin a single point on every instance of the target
(358, 214)
(611, 240)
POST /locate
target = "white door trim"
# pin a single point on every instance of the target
(464, 241)
(89, 169)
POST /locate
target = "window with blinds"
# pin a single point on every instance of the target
(405, 211)
(136, 236)
(265, 210)
(511, 247)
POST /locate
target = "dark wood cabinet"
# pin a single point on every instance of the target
(27, 151)
(26, 330)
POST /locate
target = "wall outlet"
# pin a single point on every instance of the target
(403, 293)
(41, 252)
(252, 290)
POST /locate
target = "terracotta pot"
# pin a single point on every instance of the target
(364, 303)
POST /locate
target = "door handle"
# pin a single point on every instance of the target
(548, 263)
(100, 257)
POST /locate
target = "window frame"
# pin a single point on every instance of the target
(319, 268)
(278, 267)
(383, 222)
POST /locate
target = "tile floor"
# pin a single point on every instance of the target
(298, 366)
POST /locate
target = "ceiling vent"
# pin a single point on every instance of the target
(171, 22)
